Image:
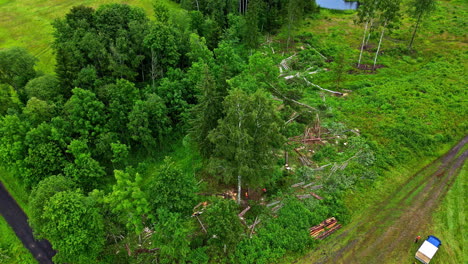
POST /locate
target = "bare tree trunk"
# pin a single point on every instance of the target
(362, 45)
(153, 67)
(239, 189)
(414, 32)
(378, 48)
(198, 7)
(370, 30)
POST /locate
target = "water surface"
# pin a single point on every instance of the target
(337, 4)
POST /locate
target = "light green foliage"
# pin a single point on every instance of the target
(119, 153)
(260, 73)
(16, 69)
(12, 134)
(74, 227)
(228, 61)
(171, 236)
(129, 202)
(86, 113)
(84, 170)
(38, 111)
(46, 88)
(148, 122)
(246, 138)
(199, 50)
(223, 226)
(41, 195)
(288, 232)
(172, 189)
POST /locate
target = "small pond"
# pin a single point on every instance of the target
(337, 4)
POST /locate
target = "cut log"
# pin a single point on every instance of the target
(297, 184)
(241, 214)
(273, 203)
(316, 187)
(304, 196)
(316, 196)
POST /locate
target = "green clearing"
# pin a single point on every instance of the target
(27, 24)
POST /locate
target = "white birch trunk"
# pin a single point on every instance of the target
(380, 42)
(362, 45)
(239, 189)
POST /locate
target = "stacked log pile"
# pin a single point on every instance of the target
(325, 228)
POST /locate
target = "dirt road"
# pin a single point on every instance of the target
(386, 232)
(17, 219)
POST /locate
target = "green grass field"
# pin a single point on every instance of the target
(27, 23)
(450, 222)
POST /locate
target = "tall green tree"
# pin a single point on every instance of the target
(84, 169)
(245, 139)
(129, 202)
(148, 122)
(45, 156)
(86, 113)
(46, 88)
(208, 110)
(16, 69)
(172, 189)
(74, 227)
(40, 196)
(163, 44)
(13, 148)
(418, 10)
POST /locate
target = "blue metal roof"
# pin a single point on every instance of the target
(434, 241)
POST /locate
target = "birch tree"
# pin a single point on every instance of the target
(419, 9)
(245, 140)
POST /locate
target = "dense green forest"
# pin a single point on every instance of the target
(154, 132)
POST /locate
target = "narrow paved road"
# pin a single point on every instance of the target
(17, 219)
(385, 233)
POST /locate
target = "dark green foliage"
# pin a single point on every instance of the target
(16, 69)
(46, 88)
(206, 112)
(172, 189)
(148, 122)
(121, 98)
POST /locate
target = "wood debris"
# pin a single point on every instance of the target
(325, 228)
